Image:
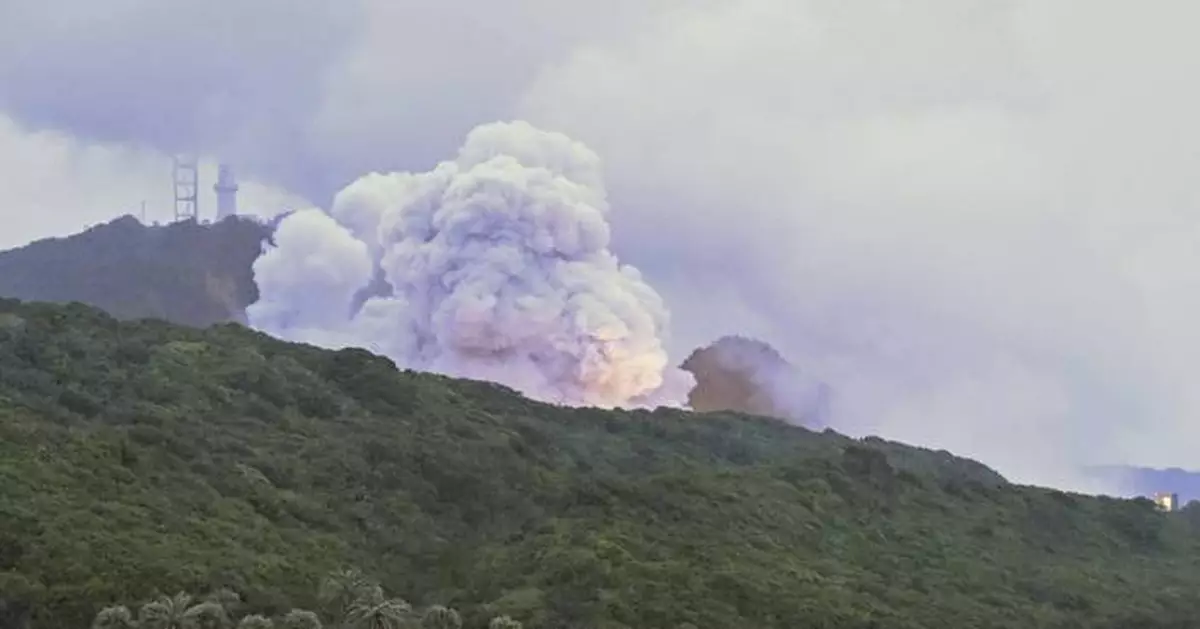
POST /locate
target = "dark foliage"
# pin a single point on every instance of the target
(184, 272)
(143, 459)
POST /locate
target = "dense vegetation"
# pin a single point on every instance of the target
(141, 459)
(184, 272)
(201, 274)
(348, 599)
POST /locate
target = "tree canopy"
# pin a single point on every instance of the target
(183, 272)
(140, 459)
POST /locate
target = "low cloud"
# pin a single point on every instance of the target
(977, 221)
(54, 184)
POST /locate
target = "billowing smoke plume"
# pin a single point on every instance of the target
(745, 375)
(494, 266)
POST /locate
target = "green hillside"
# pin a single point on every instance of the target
(142, 459)
(183, 272)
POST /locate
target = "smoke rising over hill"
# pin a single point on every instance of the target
(977, 221)
(749, 376)
(497, 267)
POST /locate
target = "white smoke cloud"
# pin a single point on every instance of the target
(499, 269)
(976, 220)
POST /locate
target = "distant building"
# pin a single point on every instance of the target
(1166, 501)
(226, 189)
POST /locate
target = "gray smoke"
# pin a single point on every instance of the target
(749, 376)
(496, 265)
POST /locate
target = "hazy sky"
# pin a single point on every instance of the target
(975, 218)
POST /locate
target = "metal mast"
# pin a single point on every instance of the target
(187, 187)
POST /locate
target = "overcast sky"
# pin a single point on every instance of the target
(976, 218)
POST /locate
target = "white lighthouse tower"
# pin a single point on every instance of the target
(226, 189)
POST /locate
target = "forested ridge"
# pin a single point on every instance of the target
(201, 274)
(143, 459)
(183, 272)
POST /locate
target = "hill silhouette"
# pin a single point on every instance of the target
(201, 274)
(1147, 480)
(185, 272)
(139, 459)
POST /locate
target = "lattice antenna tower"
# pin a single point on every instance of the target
(187, 187)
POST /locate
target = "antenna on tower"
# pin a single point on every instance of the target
(187, 187)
